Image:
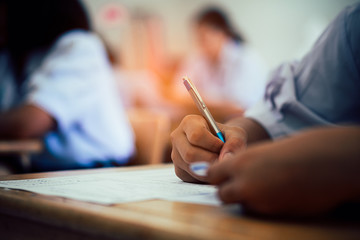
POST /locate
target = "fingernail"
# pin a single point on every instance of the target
(200, 168)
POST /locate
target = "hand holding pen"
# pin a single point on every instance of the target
(202, 107)
(194, 142)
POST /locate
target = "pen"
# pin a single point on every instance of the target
(202, 106)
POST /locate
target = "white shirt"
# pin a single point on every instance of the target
(75, 85)
(322, 89)
(239, 77)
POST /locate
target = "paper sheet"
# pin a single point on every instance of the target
(120, 187)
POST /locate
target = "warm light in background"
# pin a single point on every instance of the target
(279, 30)
(150, 39)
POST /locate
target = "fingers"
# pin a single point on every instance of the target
(198, 134)
(236, 140)
(231, 191)
(192, 142)
(177, 159)
(220, 172)
(190, 153)
(182, 169)
(185, 176)
(228, 176)
(184, 153)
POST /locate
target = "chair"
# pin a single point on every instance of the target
(152, 130)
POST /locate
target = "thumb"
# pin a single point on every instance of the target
(235, 140)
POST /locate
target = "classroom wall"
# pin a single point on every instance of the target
(279, 30)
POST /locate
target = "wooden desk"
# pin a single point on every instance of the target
(26, 146)
(25, 215)
(23, 148)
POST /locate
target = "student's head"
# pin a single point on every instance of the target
(35, 24)
(213, 29)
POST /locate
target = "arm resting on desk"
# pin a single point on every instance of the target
(307, 174)
(25, 122)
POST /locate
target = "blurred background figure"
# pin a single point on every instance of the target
(225, 69)
(56, 83)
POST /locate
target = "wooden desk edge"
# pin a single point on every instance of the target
(123, 221)
(26, 146)
(86, 217)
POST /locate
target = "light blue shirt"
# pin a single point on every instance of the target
(322, 89)
(73, 82)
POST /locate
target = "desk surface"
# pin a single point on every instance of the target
(25, 215)
(27, 146)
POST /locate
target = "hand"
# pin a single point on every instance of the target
(193, 141)
(25, 122)
(303, 175)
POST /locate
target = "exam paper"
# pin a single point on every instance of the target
(120, 187)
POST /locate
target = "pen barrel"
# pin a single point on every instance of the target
(206, 113)
(202, 107)
(209, 118)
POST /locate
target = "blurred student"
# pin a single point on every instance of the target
(309, 173)
(225, 69)
(56, 84)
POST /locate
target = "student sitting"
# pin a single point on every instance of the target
(225, 69)
(57, 84)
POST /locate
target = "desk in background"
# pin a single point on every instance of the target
(26, 215)
(23, 149)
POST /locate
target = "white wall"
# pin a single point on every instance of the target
(280, 30)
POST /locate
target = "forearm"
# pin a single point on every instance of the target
(310, 173)
(10, 126)
(224, 110)
(337, 149)
(255, 132)
(25, 122)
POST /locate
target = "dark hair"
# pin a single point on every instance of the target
(218, 19)
(38, 23)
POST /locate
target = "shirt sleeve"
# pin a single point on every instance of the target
(322, 89)
(280, 112)
(64, 85)
(353, 33)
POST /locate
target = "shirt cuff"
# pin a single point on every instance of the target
(270, 120)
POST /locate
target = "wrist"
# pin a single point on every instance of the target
(253, 131)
